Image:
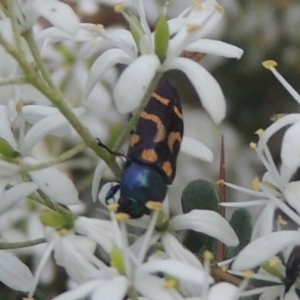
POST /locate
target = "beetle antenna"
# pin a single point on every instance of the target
(109, 150)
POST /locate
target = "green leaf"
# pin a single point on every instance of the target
(200, 194)
(6, 150)
(162, 37)
(241, 222)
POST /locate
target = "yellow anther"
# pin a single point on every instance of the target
(154, 205)
(97, 28)
(193, 28)
(253, 145)
(275, 262)
(256, 184)
(269, 64)
(259, 132)
(281, 221)
(19, 106)
(208, 255)
(120, 7)
(248, 274)
(121, 217)
(220, 9)
(225, 268)
(113, 207)
(63, 232)
(276, 117)
(198, 3)
(170, 284)
(220, 182)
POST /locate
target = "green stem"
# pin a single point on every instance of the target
(39, 61)
(133, 295)
(41, 198)
(130, 126)
(61, 158)
(15, 26)
(17, 245)
(17, 80)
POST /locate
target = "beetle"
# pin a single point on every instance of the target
(292, 268)
(152, 154)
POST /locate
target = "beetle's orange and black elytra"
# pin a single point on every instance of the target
(152, 153)
(160, 129)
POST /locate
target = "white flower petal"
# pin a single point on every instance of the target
(54, 183)
(97, 178)
(102, 64)
(196, 149)
(5, 128)
(54, 35)
(113, 289)
(15, 194)
(292, 195)
(55, 124)
(66, 255)
(153, 288)
(80, 292)
(222, 290)
(208, 222)
(14, 273)
(290, 151)
(264, 223)
(35, 113)
(8, 169)
(175, 250)
(206, 86)
(31, 94)
(174, 268)
(134, 82)
(98, 230)
(272, 292)
(57, 13)
(245, 203)
(215, 48)
(265, 248)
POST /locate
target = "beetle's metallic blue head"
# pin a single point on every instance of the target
(139, 184)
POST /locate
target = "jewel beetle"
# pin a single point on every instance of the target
(292, 268)
(152, 154)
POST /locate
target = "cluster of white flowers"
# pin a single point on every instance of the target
(49, 90)
(278, 195)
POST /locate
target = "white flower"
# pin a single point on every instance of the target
(130, 268)
(208, 222)
(272, 284)
(27, 12)
(276, 185)
(75, 252)
(187, 30)
(54, 183)
(265, 248)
